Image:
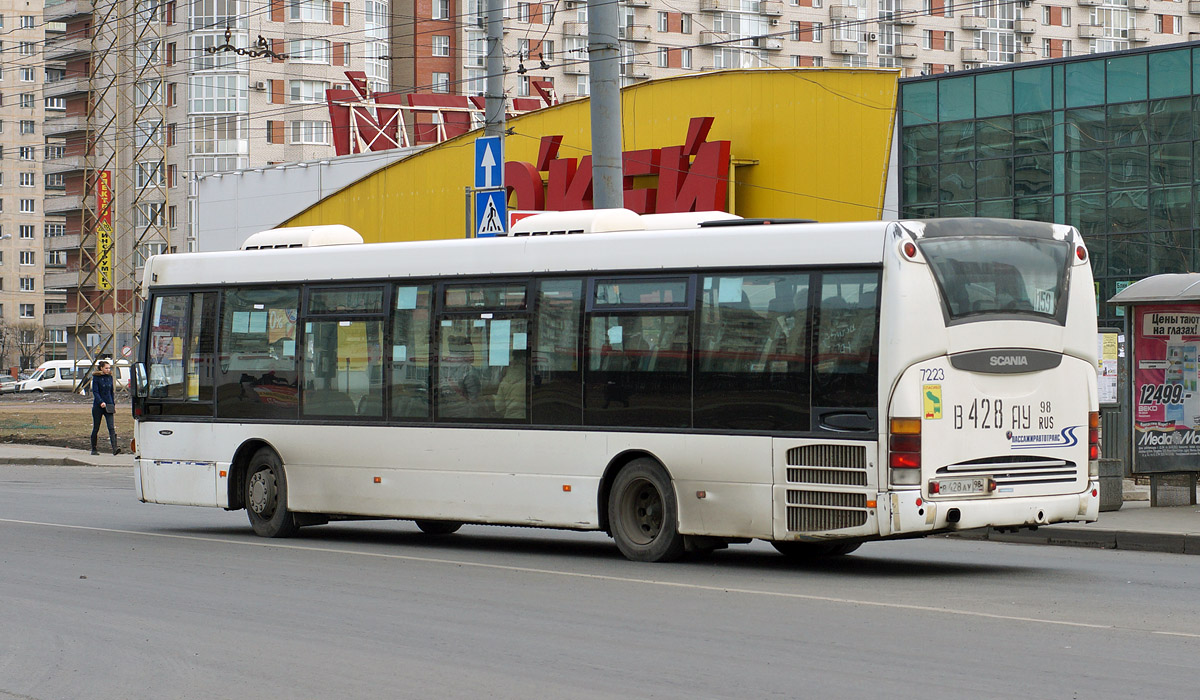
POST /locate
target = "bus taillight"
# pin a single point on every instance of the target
(904, 451)
(1094, 443)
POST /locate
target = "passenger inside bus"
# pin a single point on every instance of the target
(510, 392)
(459, 383)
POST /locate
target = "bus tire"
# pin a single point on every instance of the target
(805, 551)
(643, 514)
(438, 527)
(266, 496)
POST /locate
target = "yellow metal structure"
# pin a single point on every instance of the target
(806, 143)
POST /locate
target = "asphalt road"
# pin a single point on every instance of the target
(105, 597)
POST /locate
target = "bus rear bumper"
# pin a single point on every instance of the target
(910, 513)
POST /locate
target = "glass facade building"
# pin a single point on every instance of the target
(1106, 143)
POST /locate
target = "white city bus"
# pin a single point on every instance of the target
(812, 385)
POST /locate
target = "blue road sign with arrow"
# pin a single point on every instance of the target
(489, 161)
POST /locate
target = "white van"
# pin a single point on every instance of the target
(63, 375)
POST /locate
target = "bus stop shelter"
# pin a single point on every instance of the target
(1164, 389)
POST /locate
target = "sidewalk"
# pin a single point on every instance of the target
(1135, 526)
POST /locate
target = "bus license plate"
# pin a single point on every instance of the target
(959, 487)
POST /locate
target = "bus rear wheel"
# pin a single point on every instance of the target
(438, 527)
(643, 514)
(266, 496)
(803, 551)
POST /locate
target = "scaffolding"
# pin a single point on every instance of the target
(125, 190)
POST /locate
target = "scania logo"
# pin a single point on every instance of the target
(1008, 361)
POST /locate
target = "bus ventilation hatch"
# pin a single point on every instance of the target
(813, 509)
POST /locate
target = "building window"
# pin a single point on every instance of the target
(54, 152)
(664, 22)
(27, 126)
(145, 250)
(27, 206)
(27, 258)
(27, 180)
(27, 48)
(56, 258)
(26, 22)
(148, 174)
(523, 12)
(664, 57)
(816, 30)
(685, 24)
(441, 82)
(27, 100)
(310, 132)
(56, 230)
(146, 92)
(58, 103)
(441, 46)
(56, 181)
(219, 93)
(441, 9)
(685, 58)
(27, 284)
(309, 51)
(25, 230)
(27, 311)
(308, 91)
(147, 215)
(27, 75)
(56, 336)
(310, 11)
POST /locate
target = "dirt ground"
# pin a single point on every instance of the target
(59, 418)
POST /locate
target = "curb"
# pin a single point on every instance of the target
(45, 462)
(1171, 543)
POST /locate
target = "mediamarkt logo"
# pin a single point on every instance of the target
(1177, 437)
(1008, 361)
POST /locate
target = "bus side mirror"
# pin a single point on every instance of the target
(140, 384)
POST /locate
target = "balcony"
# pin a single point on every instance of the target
(65, 165)
(62, 126)
(906, 18)
(842, 47)
(1091, 3)
(972, 22)
(1091, 31)
(575, 65)
(71, 45)
(771, 44)
(635, 71)
(843, 13)
(64, 319)
(974, 55)
(718, 5)
(66, 86)
(1025, 25)
(636, 3)
(575, 29)
(67, 10)
(1194, 7)
(637, 33)
(711, 37)
(906, 50)
(70, 242)
(1139, 5)
(771, 8)
(67, 279)
(64, 204)
(1138, 35)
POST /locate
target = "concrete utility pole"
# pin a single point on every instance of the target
(493, 124)
(604, 56)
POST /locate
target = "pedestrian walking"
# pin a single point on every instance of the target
(103, 404)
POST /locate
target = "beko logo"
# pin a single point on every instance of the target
(1009, 361)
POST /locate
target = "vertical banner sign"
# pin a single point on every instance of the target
(1166, 417)
(104, 231)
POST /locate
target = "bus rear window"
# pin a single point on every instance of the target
(992, 275)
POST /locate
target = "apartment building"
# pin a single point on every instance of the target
(22, 187)
(152, 95)
(548, 40)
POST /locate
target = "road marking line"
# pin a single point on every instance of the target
(615, 579)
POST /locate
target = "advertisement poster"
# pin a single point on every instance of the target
(1106, 369)
(1166, 417)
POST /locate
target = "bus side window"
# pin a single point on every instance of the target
(410, 352)
(557, 391)
(168, 328)
(847, 345)
(752, 369)
(257, 377)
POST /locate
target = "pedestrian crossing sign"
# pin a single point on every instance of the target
(491, 218)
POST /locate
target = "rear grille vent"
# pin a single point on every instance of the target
(816, 511)
(837, 465)
(1017, 471)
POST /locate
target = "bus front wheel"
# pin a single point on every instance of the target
(266, 496)
(643, 514)
(438, 527)
(803, 551)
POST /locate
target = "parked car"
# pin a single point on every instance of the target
(62, 375)
(8, 384)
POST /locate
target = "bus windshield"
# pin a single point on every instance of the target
(1031, 280)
